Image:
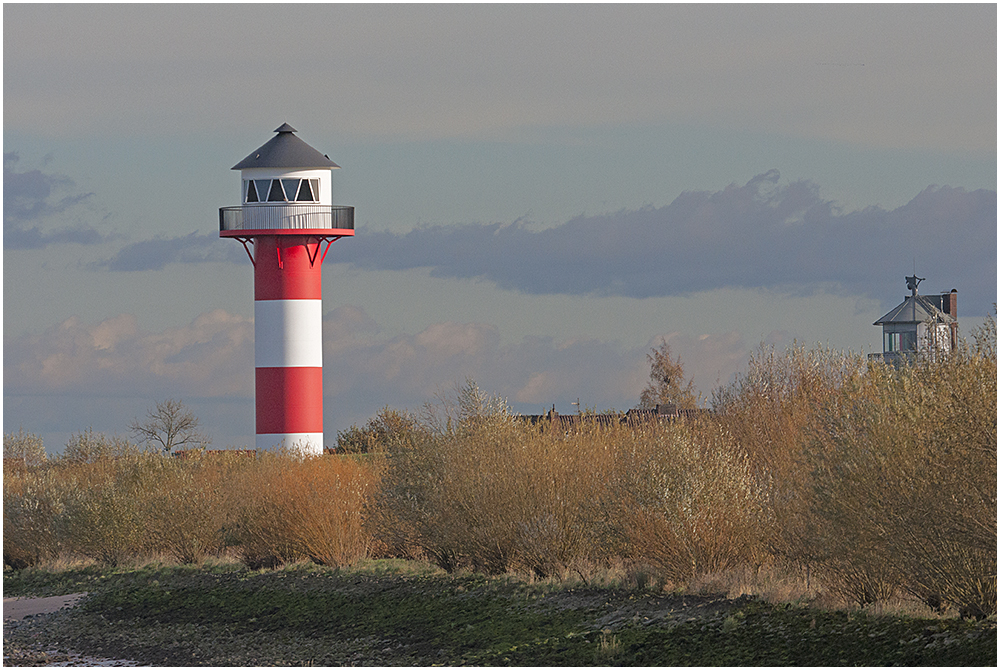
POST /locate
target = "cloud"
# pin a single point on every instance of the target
(33, 196)
(210, 357)
(759, 235)
(762, 235)
(155, 254)
(365, 369)
(209, 361)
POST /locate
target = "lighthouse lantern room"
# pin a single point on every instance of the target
(287, 222)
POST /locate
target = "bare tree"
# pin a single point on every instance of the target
(169, 425)
(666, 381)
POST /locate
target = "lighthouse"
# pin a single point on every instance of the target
(286, 222)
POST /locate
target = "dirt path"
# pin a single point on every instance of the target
(18, 608)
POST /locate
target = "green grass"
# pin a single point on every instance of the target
(764, 634)
(398, 613)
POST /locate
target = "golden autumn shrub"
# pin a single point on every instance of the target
(188, 509)
(120, 504)
(324, 504)
(769, 412)
(291, 508)
(32, 504)
(905, 479)
(474, 487)
(482, 489)
(685, 500)
(882, 480)
(105, 515)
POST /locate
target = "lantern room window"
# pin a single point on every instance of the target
(307, 193)
(275, 194)
(249, 191)
(281, 190)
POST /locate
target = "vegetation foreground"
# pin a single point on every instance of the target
(394, 613)
(872, 486)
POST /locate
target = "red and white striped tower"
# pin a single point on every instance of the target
(284, 221)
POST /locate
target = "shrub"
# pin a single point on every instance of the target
(378, 433)
(905, 475)
(564, 485)
(770, 412)
(90, 447)
(273, 510)
(24, 447)
(294, 508)
(884, 479)
(433, 494)
(106, 513)
(32, 502)
(476, 488)
(686, 501)
(325, 500)
(188, 508)
(255, 527)
(62, 508)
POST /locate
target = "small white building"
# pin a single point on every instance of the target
(922, 325)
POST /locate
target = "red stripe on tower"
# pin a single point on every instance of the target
(289, 400)
(287, 268)
(287, 216)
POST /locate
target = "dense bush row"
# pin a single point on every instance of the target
(881, 480)
(268, 510)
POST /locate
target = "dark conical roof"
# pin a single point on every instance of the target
(285, 150)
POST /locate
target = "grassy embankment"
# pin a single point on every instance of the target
(409, 613)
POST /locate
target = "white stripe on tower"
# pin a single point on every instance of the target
(288, 333)
(306, 443)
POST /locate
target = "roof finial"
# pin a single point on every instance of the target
(912, 282)
(285, 128)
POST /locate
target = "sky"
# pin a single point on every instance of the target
(542, 193)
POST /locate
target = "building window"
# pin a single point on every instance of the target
(263, 186)
(307, 193)
(281, 190)
(900, 341)
(291, 187)
(275, 194)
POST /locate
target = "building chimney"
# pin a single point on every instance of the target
(951, 304)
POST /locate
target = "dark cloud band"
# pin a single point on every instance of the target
(34, 195)
(155, 254)
(762, 235)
